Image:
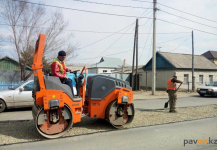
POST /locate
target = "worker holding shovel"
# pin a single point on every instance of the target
(171, 90)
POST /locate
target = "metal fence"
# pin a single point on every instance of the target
(6, 85)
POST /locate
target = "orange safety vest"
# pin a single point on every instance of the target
(171, 85)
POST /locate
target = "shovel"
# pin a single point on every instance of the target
(166, 104)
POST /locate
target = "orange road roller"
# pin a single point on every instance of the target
(55, 109)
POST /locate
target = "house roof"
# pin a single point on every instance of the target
(210, 54)
(109, 62)
(184, 61)
(7, 57)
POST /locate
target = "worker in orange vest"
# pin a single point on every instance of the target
(59, 69)
(171, 90)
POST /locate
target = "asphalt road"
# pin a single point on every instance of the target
(26, 114)
(181, 102)
(168, 136)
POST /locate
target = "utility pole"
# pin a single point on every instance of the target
(137, 37)
(134, 46)
(124, 64)
(154, 48)
(193, 77)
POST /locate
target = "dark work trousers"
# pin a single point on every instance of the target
(69, 83)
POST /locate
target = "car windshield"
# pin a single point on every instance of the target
(16, 86)
(212, 84)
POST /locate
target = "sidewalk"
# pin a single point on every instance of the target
(159, 94)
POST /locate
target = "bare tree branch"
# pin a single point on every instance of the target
(26, 22)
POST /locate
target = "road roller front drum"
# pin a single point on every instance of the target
(53, 123)
(119, 115)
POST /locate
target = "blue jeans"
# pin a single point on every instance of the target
(69, 83)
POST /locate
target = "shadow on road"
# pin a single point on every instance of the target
(18, 109)
(153, 110)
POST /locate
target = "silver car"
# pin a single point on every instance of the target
(17, 97)
(210, 89)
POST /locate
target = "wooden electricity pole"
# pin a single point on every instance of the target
(134, 47)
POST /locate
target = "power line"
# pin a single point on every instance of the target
(93, 31)
(95, 12)
(111, 44)
(188, 13)
(180, 44)
(146, 41)
(105, 37)
(171, 40)
(146, 21)
(131, 49)
(188, 19)
(110, 4)
(146, 10)
(187, 27)
(142, 1)
(150, 49)
(104, 55)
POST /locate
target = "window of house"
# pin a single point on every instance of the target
(104, 70)
(185, 78)
(210, 78)
(200, 79)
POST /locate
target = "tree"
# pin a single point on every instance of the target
(25, 22)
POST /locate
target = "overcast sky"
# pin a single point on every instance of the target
(118, 43)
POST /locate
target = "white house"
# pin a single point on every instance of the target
(106, 65)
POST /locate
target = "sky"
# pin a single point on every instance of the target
(177, 41)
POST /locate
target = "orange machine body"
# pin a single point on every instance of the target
(97, 108)
(86, 106)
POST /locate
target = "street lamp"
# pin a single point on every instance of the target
(159, 48)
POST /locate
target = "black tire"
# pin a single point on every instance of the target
(202, 95)
(2, 106)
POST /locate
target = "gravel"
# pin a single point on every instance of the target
(25, 131)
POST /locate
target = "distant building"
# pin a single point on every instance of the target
(107, 65)
(10, 70)
(170, 64)
(211, 55)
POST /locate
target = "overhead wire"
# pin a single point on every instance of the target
(102, 13)
(146, 41)
(105, 55)
(90, 31)
(150, 49)
(142, 1)
(110, 45)
(110, 4)
(131, 49)
(188, 27)
(180, 44)
(188, 19)
(120, 36)
(187, 13)
(105, 37)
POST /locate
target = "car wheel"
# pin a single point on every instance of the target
(2, 106)
(202, 95)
